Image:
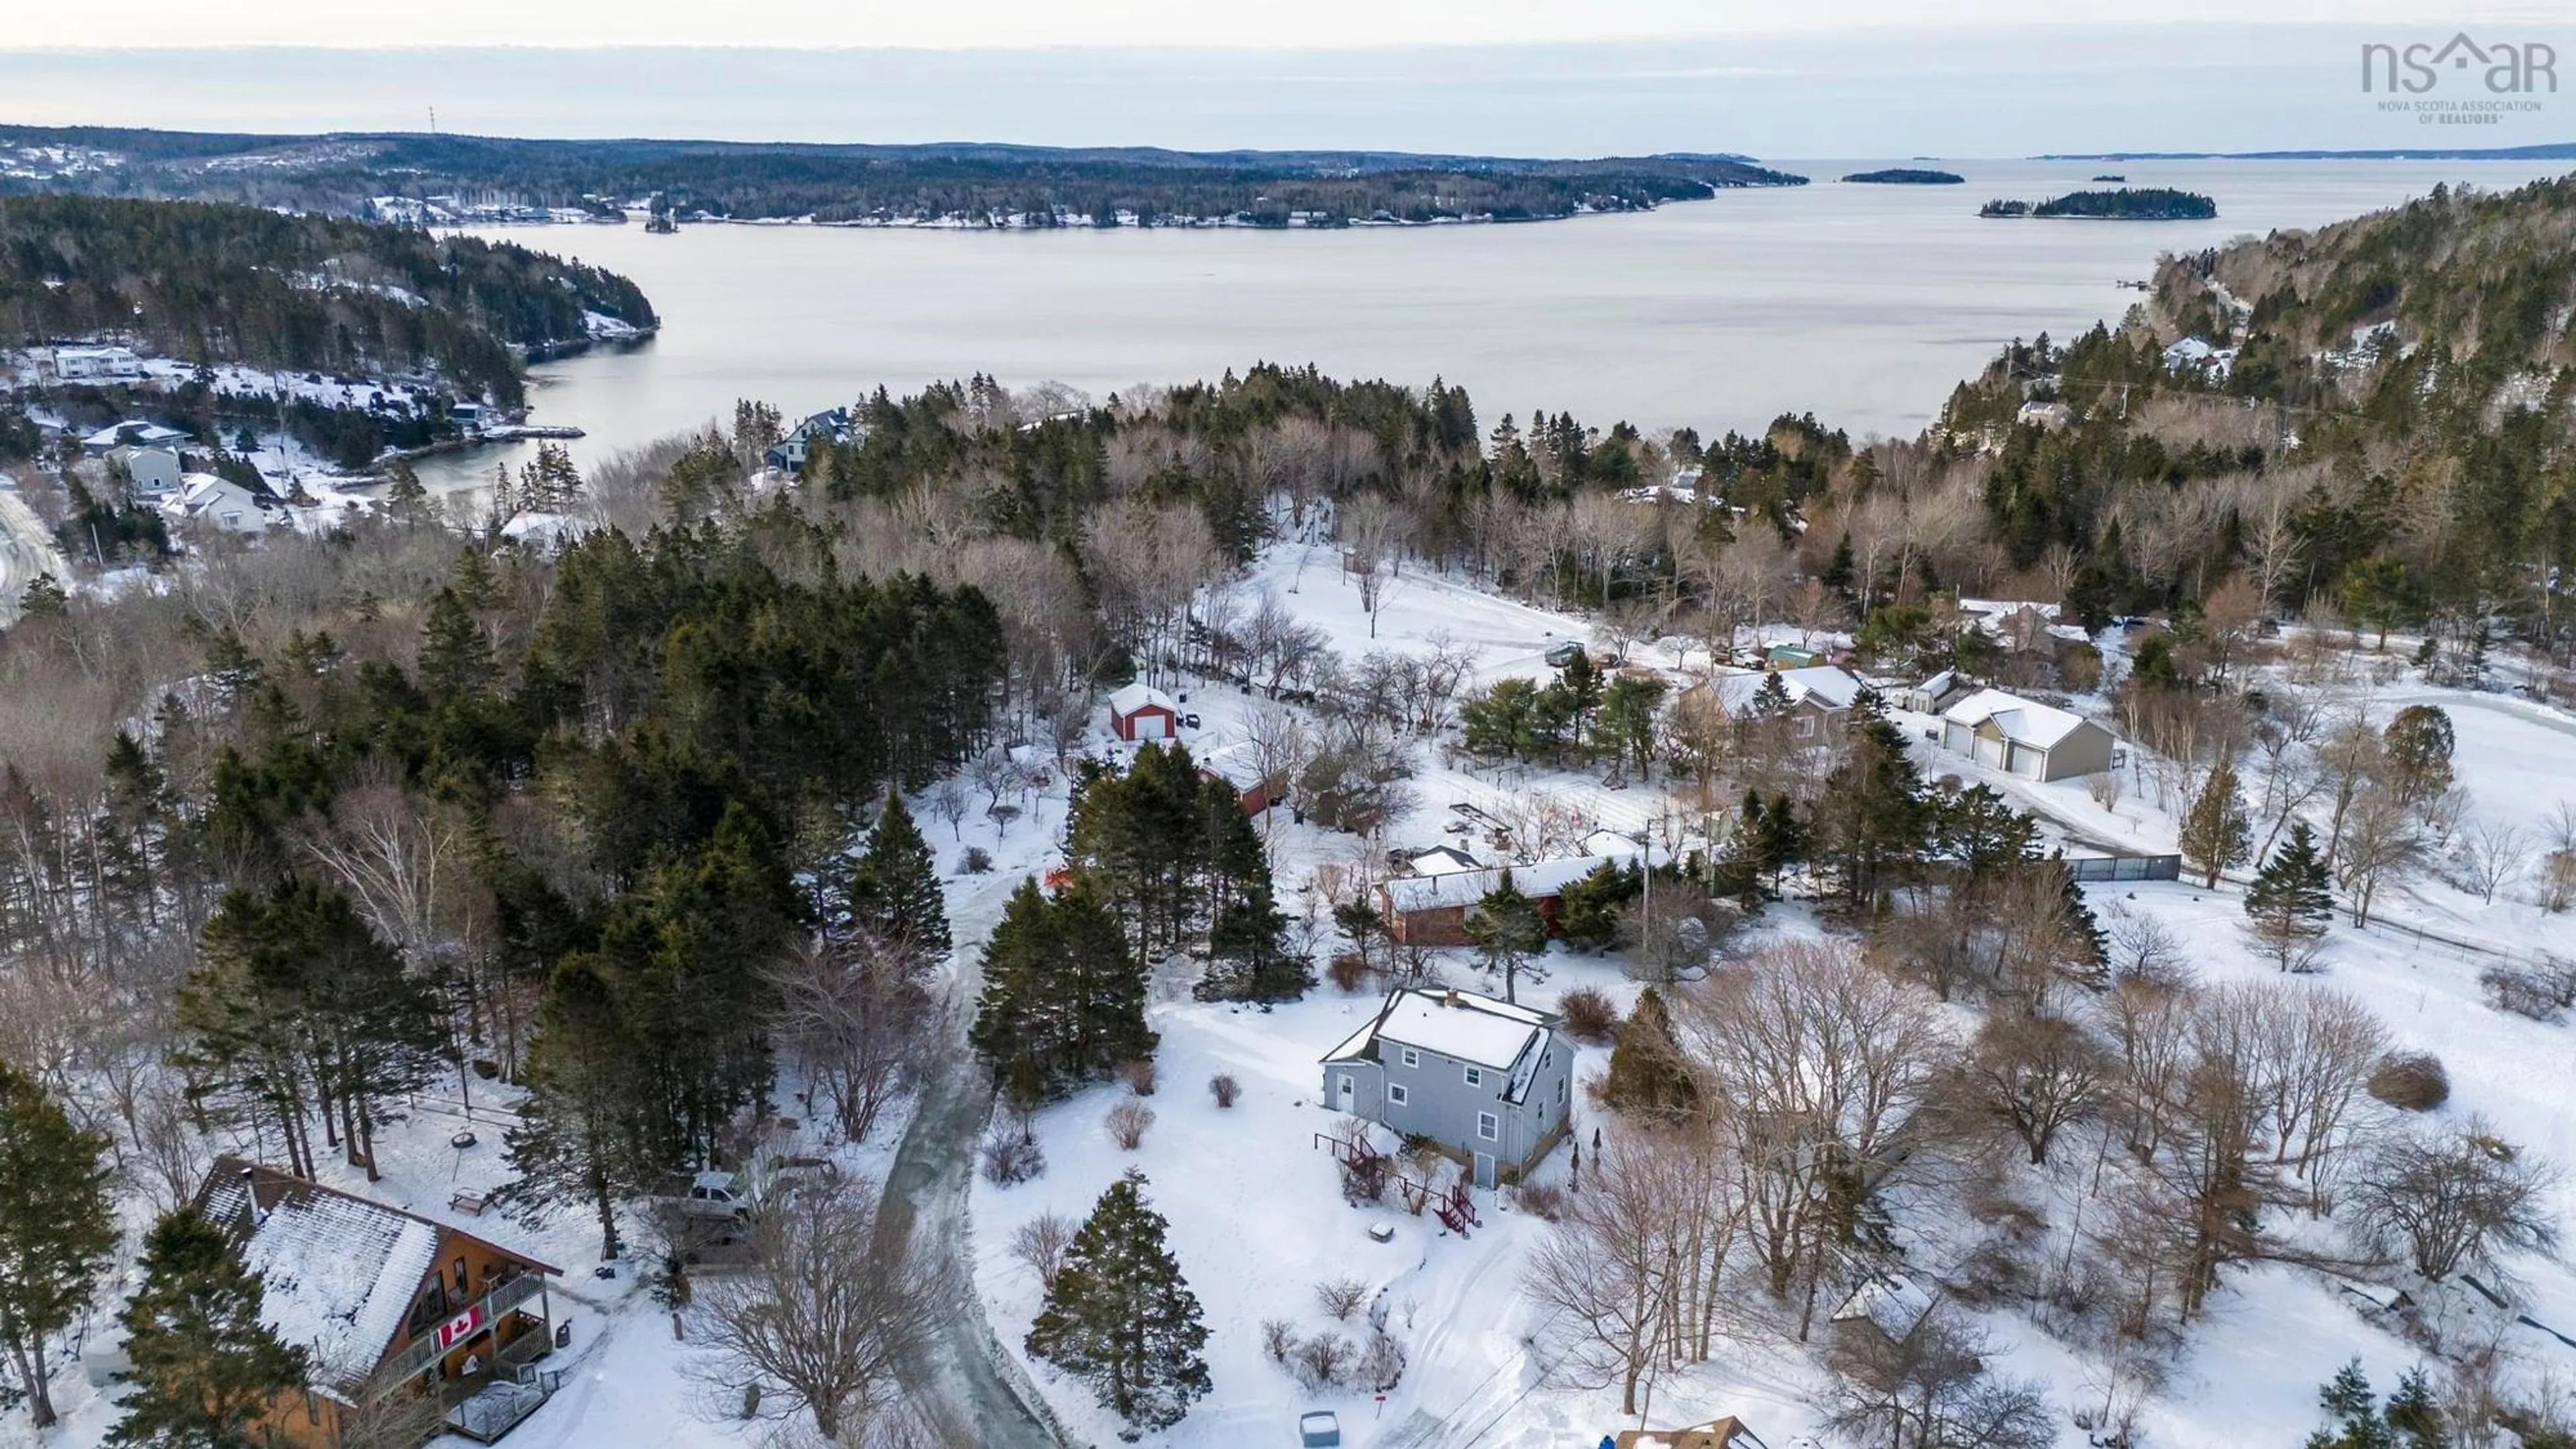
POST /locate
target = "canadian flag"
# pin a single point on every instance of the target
(460, 1328)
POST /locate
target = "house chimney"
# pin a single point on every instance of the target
(1449, 997)
(252, 1217)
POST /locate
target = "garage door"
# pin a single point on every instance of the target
(2029, 763)
(1990, 752)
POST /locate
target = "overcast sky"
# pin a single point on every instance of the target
(1022, 23)
(1494, 77)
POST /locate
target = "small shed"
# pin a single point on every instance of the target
(1142, 712)
(1933, 695)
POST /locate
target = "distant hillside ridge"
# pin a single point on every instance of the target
(759, 181)
(217, 283)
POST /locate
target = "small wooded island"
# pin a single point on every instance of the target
(1906, 176)
(2142, 203)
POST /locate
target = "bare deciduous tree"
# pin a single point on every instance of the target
(830, 1317)
(2492, 855)
(2449, 1200)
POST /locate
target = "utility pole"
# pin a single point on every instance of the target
(433, 120)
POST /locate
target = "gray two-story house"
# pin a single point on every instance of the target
(1489, 1082)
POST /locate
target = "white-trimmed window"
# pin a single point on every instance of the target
(1560, 1089)
(1396, 1095)
(1475, 1076)
(1409, 1056)
(1489, 1127)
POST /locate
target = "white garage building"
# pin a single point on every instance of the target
(2025, 738)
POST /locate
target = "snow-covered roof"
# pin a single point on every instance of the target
(338, 1273)
(546, 530)
(2022, 721)
(1136, 697)
(1895, 1305)
(1238, 764)
(1466, 887)
(147, 434)
(1462, 1025)
(1939, 684)
(1830, 685)
(1442, 859)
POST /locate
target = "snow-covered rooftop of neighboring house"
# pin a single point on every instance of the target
(338, 1273)
(1895, 1305)
(134, 432)
(1466, 887)
(1140, 696)
(1442, 859)
(1463, 1025)
(2020, 720)
(1831, 685)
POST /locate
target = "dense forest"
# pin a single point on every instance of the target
(856, 182)
(2126, 203)
(219, 283)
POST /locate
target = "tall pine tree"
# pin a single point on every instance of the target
(2291, 901)
(2217, 833)
(1510, 934)
(205, 1366)
(895, 897)
(580, 1138)
(57, 1229)
(1120, 1317)
(1063, 1001)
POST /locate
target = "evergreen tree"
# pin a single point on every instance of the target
(1588, 909)
(295, 1006)
(1771, 700)
(2348, 1399)
(1979, 831)
(1120, 1317)
(455, 658)
(407, 502)
(2414, 1414)
(1871, 820)
(2292, 900)
(2218, 833)
(1648, 1077)
(1063, 1002)
(205, 1366)
(894, 891)
(1510, 933)
(1580, 683)
(580, 1137)
(2091, 948)
(1627, 731)
(57, 1229)
(1249, 958)
(1780, 838)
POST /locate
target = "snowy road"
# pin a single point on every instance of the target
(980, 1393)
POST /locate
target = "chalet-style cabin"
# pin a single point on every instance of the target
(386, 1302)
